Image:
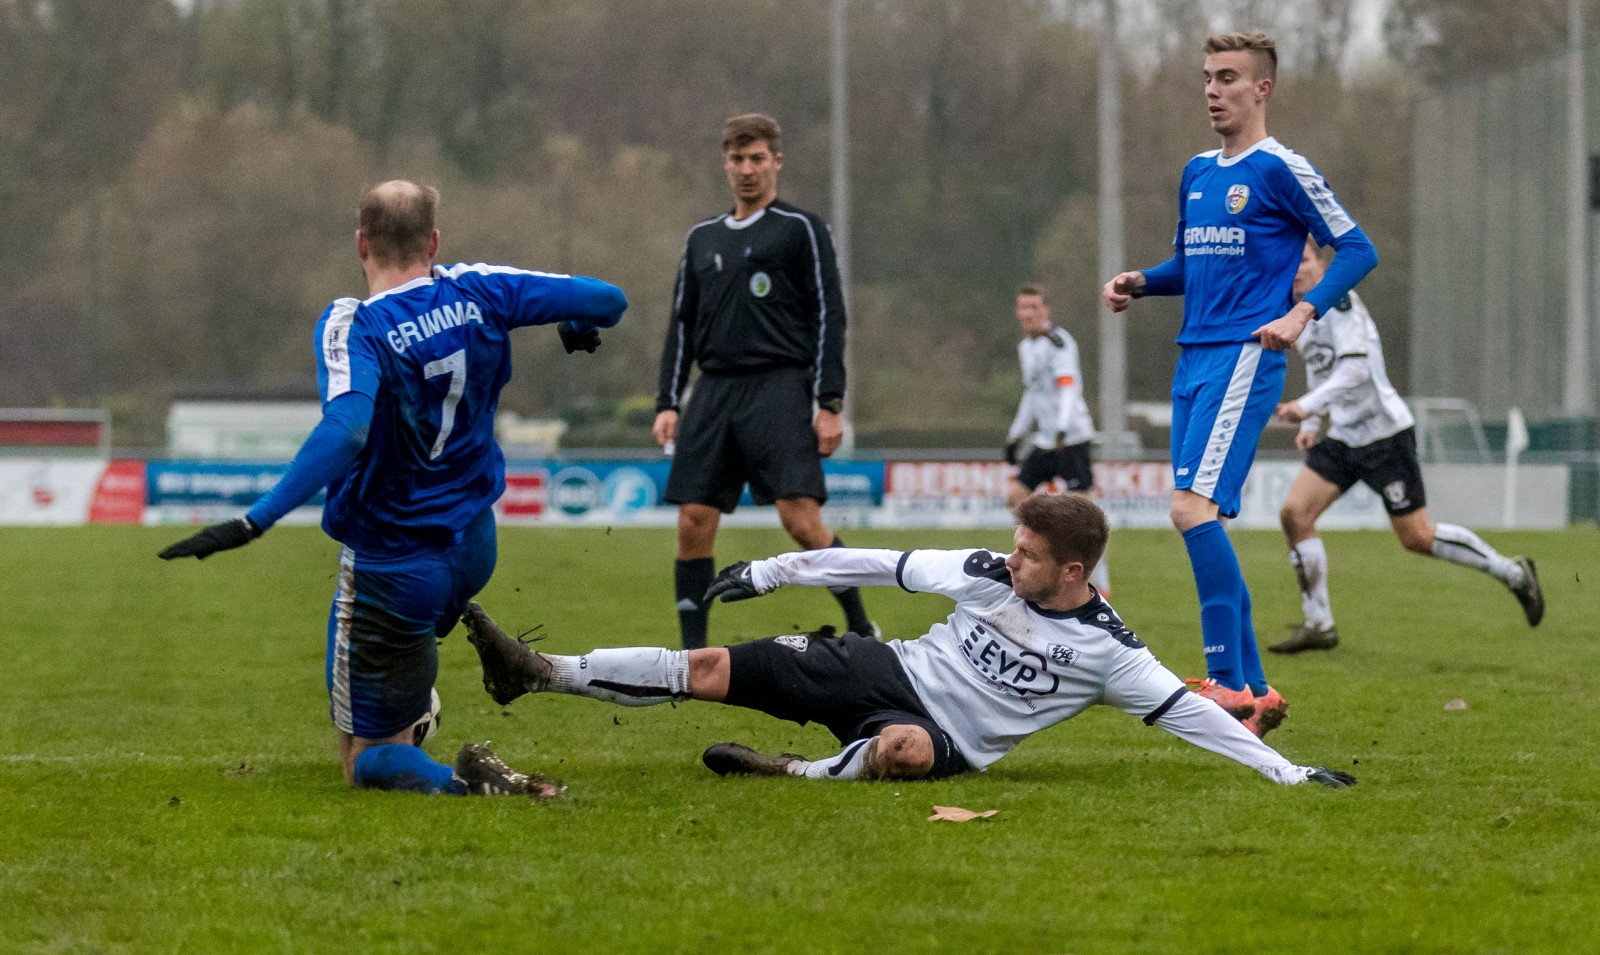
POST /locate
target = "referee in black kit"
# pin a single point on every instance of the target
(758, 305)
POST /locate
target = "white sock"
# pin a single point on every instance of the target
(1310, 560)
(846, 765)
(1101, 576)
(627, 676)
(1458, 545)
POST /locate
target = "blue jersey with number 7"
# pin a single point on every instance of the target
(433, 355)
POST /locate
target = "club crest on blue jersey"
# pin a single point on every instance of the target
(1238, 195)
(760, 284)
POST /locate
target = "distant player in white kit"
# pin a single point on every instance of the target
(1370, 439)
(1029, 645)
(1051, 434)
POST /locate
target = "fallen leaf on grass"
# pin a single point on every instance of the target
(957, 814)
(1456, 705)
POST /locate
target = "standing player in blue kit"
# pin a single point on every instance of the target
(1244, 212)
(410, 380)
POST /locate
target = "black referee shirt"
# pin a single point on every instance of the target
(753, 295)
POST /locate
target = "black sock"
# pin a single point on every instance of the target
(692, 578)
(855, 615)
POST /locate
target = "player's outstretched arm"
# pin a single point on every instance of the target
(828, 567)
(1208, 726)
(331, 446)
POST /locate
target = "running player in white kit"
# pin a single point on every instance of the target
(1030, 644)
(1370, 439)
(1052, 421)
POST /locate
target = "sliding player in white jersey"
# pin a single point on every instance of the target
(1030, 644)
(1370, 439)
(1052, 421)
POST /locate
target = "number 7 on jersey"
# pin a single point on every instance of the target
(455, 365)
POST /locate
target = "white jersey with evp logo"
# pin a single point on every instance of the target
(1000, 668)
(1365, 408)
(1052, 392)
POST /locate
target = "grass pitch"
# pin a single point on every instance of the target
(169, 785)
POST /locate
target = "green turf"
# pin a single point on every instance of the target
(168, 782)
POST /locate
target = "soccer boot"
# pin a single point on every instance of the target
(736, 759)
(510, 669)
(1529, 593)
(1307, 638)
(1332, 778)
(1239, 704)
(1271, 709)
(486, 774)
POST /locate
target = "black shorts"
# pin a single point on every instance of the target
(1071, 464)
(752, 427)
(1388, 466)
(853, 685)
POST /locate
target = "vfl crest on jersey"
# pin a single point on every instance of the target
(1063, 654)
(760, 284)
(1238, 195)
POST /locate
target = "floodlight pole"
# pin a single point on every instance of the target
(1113, 329)
(1577, 394)
(840, 216)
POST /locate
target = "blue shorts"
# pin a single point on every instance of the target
(1222, 398)
(388, 614)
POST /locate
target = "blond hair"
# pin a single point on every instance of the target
(1264, 51)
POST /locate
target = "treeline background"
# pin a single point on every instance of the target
(178, 181)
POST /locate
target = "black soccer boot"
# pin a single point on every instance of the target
(487, 775)
(510, 669)
(736, 759)
(1529, 593)
(1307, 638)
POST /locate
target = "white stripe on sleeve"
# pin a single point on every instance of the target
(1316, 188)
(336, 346)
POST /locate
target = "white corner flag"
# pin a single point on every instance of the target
(1516, 443)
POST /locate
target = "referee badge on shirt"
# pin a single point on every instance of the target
(760, 284)
(1237, 196)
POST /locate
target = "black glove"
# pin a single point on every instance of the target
(225, 536)
(733, 583)
(1332, 778)
(575, 337)
(1012, 447)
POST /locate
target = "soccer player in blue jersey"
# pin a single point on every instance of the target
(410, 379)
(1244, 212)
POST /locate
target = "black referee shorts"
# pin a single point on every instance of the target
(1071, 464)
(1388, 466)
(853, 685)
(754, 428)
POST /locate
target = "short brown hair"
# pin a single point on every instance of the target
(397, 217)
(1033, 288)
(1073, 526)
(742, 130)
(1256, 42)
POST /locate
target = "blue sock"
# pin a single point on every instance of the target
(401, 767)
(1220, 583)
(1254, 677)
